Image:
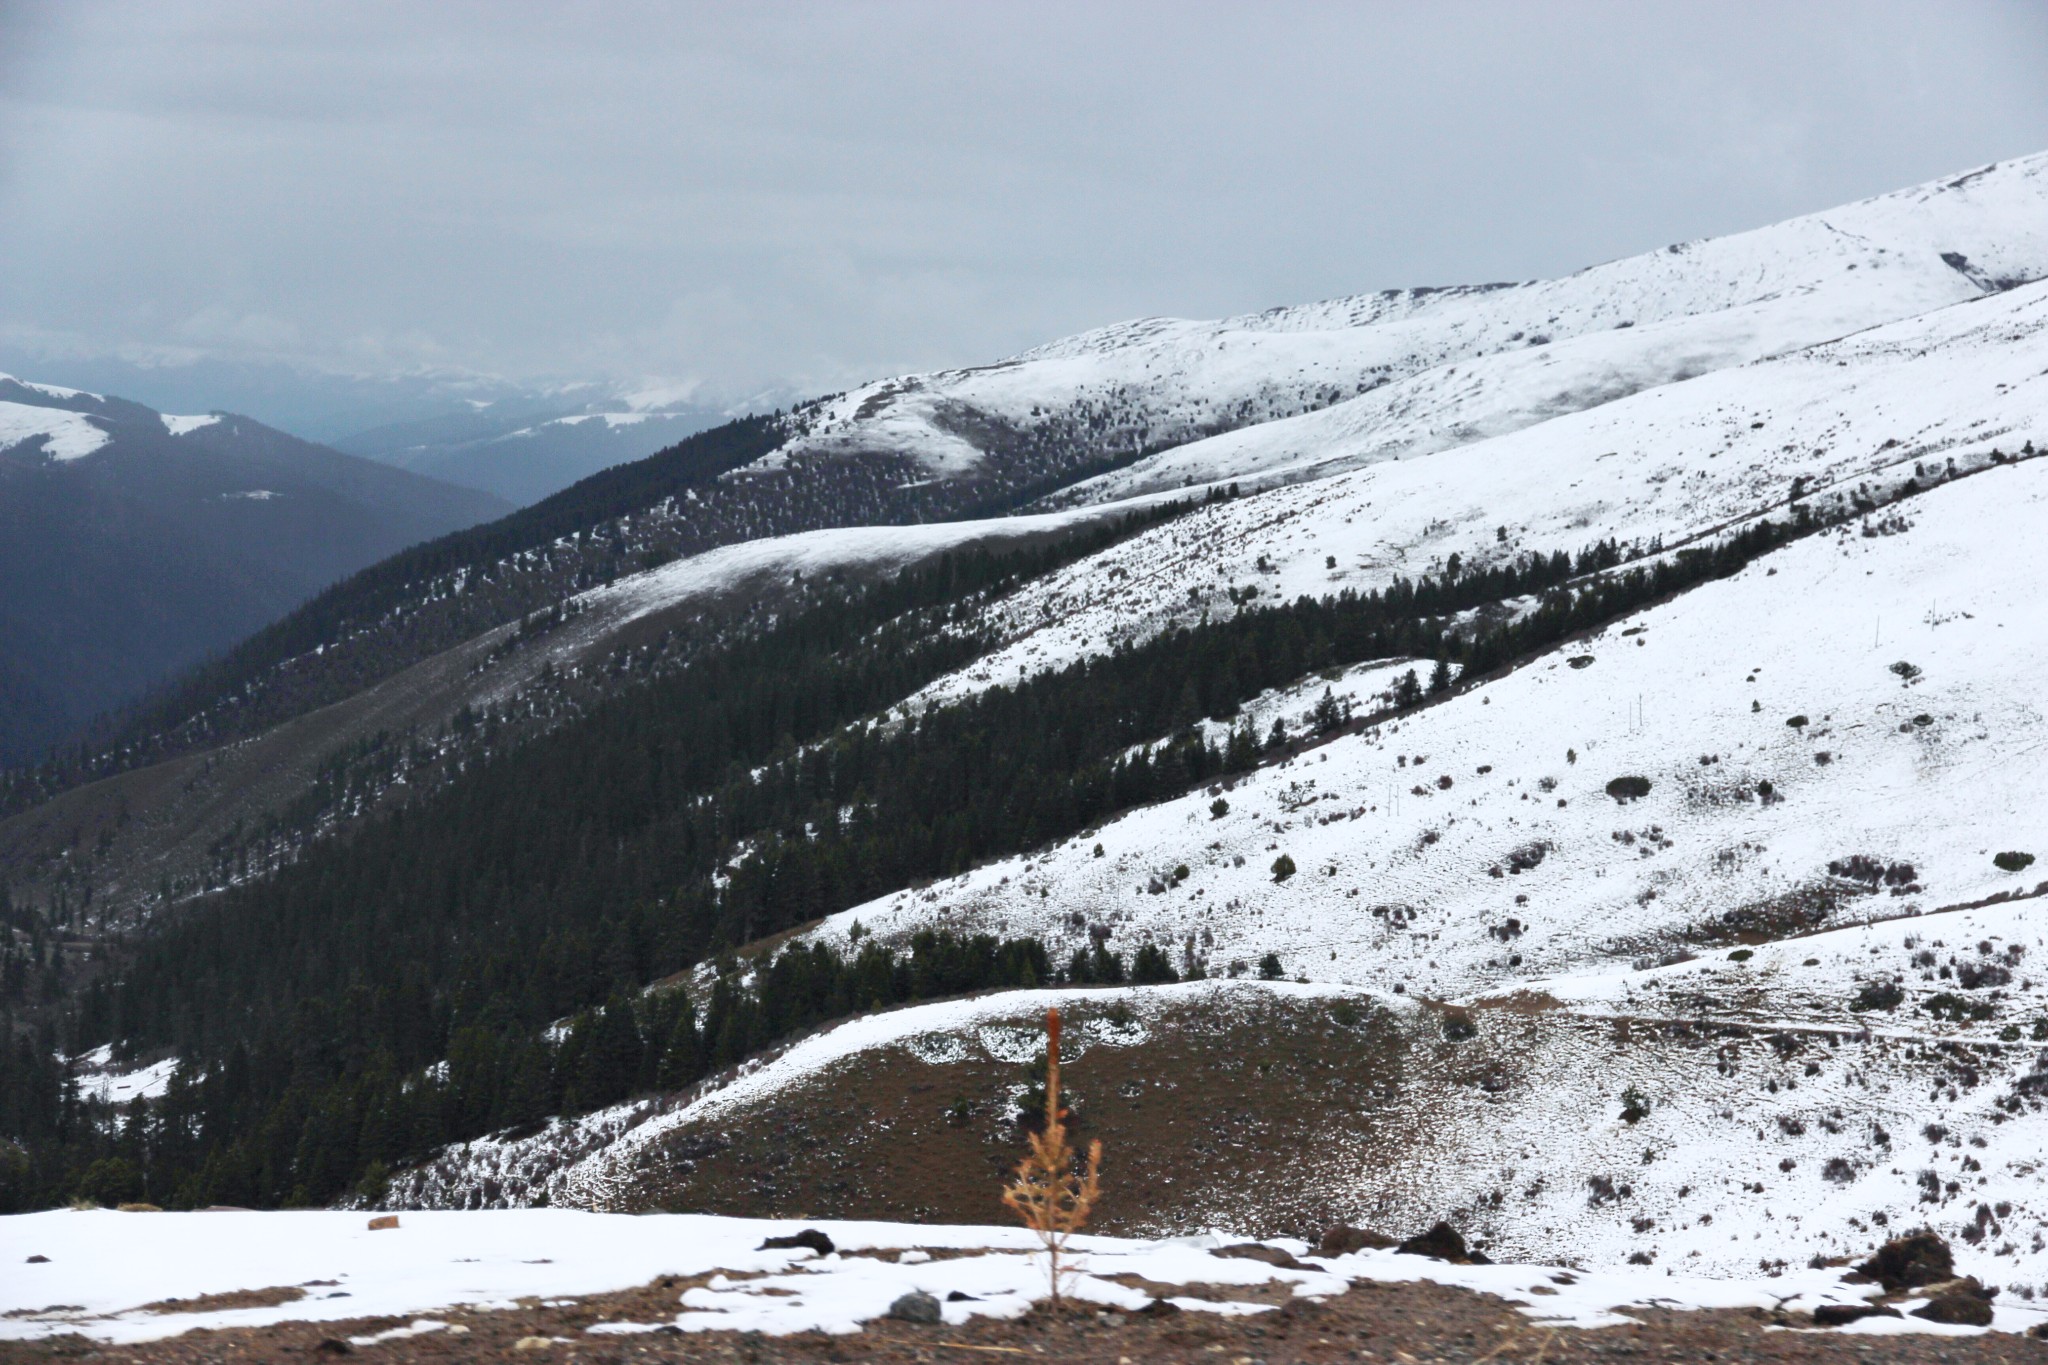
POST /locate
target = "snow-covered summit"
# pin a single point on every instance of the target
(1501, 356)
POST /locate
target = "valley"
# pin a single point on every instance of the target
(1561, 759)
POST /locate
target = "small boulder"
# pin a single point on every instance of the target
(1341, 1239)
(1442, 1243)
(1918, 1258)
(916, 1306)
(1842, 1314)
(383, 1222)
(333, 1346)
(38, 1260)
(1259, 1251)
(809, 1237)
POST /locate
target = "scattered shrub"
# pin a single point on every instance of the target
(1270, 968)
(1218, 808)
(1973, 976)
(1955, 1008)
(1627, 789)
(1635, 1105)
(1796, 722)
(2012, 860)
(1879, 993)
(1283, 868)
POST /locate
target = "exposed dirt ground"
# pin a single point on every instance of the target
(1406, 1324)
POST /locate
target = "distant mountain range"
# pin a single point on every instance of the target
(523, 454)
(520, 441)
(135, 543)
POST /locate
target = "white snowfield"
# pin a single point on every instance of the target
(64, 435)
(183, 425)
(98, 1078)
(102, 1268)
(1416, 371)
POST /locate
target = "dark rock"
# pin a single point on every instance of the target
(916, 1306)
(957, 1297)
(1341, 1239)
(809, 1237)
(1965, 1304)
(1442, 1243)
(1258, 1251)
(1842, 1314)
(1160, 1308)
(334, 1346)
(1918, 1258)
(38, 1260)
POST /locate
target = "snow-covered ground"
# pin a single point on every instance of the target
(102, 1269)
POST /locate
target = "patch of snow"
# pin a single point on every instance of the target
(179, 426)
(98, 1079)
(65, 435)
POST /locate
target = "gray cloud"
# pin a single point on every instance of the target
(829, 192)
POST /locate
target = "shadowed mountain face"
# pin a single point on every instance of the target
(134, 544)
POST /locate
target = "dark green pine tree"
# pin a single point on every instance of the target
(682, 1059)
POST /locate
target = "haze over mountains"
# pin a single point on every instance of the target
(133, 544)
(1561, 756)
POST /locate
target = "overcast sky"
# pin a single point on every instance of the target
(746, 193)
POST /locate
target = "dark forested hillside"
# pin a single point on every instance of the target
(684, 500)
(158, 548)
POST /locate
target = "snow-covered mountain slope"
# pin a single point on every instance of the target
(1672, 463)
(1404, 834)
(1836, 743)
(1419, 370)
